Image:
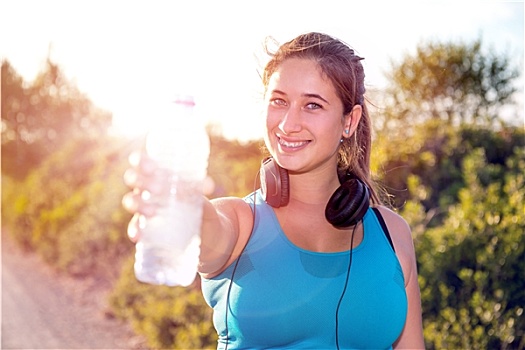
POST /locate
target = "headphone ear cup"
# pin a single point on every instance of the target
(274, 183)
(285, 186)
(349, 203)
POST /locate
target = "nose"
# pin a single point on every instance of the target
(291, 121)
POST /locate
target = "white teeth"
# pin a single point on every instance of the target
(292, 144)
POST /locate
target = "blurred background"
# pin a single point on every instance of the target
(80, 82)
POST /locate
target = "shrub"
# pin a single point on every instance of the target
(169, 317)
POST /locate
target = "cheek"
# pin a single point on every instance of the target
(334, 134)
(272, 120)
(269, 125)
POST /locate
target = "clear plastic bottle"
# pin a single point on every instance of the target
(167, 251)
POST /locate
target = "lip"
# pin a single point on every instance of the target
(291, 145)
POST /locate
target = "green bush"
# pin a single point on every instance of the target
(471, 266)
(169, 317)
(68, 209)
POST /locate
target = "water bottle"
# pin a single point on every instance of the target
(167, 251)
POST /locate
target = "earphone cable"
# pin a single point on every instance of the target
(344, 289)
(237, 263)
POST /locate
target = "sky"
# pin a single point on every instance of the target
(130, 57)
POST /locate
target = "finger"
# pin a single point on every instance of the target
(142, 162)
(208, 186)
(134, 158)
(130, 201)
(156, 182)
(131, 178)
(138, 202)
(134, 227)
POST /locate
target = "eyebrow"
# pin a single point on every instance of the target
(304, 95)
(316, 96)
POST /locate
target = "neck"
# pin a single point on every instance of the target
(312, 189)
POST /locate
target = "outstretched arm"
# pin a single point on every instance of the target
(226, 222)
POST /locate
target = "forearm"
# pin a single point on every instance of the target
(218, 238)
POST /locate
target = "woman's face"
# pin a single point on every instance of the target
(304, 122)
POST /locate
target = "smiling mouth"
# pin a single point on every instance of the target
(290, 144)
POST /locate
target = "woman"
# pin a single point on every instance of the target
(312, 259)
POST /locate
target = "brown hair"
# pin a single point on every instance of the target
(344, 69)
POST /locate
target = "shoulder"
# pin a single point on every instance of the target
(401, 235)
(236, 218)
(230, 204)
(395, 223)
(237, 212)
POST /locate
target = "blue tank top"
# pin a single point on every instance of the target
(283, 296)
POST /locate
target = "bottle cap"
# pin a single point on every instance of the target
(186, 100)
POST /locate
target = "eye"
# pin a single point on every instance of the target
(277, 102)
(313, 105)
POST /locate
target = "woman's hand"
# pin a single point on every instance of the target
(148, 181)
(224, 220)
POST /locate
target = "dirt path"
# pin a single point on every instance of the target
(44, 310)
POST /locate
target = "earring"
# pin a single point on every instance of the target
(347, 131)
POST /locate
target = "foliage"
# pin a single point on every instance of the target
(41, 117)
(68, 209)
(233, 166)
(455, 83)
(456, 173)
(460, 186)
(169, 317)
(435, 156)
(471, 270)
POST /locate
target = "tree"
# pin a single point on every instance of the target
(435, 154)
(443, 88)
(40, 117)
(458, 180)
(452, 82)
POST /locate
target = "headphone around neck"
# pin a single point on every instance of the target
(345, 208)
